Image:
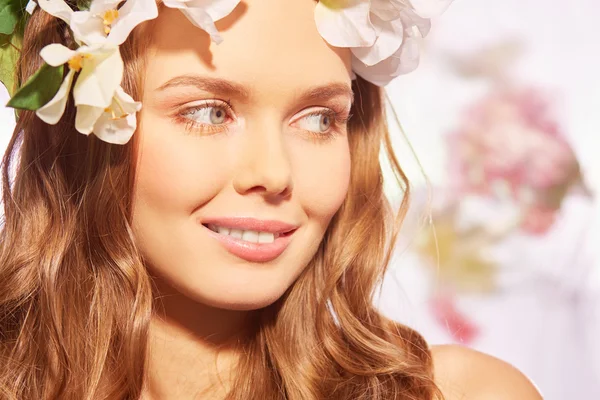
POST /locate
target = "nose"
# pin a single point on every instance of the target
(264, 165)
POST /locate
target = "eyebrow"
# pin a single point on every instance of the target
(328, 91)
(236, 90)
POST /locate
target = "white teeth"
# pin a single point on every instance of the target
(248, 236)
(236, 233)
(266, 237)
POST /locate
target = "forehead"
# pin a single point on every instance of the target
(268, 45)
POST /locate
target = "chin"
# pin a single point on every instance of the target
(243, 304)
(241, 294)
(243, 301)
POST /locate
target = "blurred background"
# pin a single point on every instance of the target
(500, 139)
(501, 142)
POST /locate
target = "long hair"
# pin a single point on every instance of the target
(76, 299)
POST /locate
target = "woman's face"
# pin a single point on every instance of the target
(240, 138)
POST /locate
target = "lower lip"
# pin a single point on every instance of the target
(253, 252)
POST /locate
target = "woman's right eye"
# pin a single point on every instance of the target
(210, 115)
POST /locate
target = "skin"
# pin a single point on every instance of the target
(264, 158)
(465, 374)
(259, 162)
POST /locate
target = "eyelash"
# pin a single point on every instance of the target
(192, 126)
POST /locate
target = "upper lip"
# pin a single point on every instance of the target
(251, 224)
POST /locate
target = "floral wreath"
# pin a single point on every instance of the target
(382, 35)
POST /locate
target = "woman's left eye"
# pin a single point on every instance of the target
(324, 122)
(319, 121)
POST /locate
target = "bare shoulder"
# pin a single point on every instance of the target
(465, 374)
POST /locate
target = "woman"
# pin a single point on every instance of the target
(230, 249)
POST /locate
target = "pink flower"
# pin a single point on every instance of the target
(510, 140)
(459, 326)
(538, 220)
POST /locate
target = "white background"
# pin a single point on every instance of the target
(546, 318)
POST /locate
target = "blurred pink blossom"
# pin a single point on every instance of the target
(446, 313)
(538, 220)
(510, 145)
(510, 136)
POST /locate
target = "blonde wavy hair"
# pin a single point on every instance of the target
(76, 299)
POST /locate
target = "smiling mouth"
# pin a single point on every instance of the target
(250, 236)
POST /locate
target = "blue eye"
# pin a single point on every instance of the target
(207, 114)
(212, 117)
(319, 121)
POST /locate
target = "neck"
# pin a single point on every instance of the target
(193, 347)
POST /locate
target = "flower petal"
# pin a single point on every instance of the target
(56, 54)
(177, 3)
(430, 8)
(86, 118)
(387, 10)
(117, 131)
(133, 13)
(346, 25)
(388, 41)
(87, 28)
(52, 111)
(409, 56)
(99, 77)
(411, 19)
(217, 9)
(405, 60)
(100, 6)
(120, 129)
(57, 8)
(126, 102)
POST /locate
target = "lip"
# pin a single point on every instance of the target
(253, 252)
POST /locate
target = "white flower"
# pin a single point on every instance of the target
(100, 70)
(104, 22)
(382, 34)
(430, 8)
(404, 60)
(345, 23)
(113, 124)
(102, 106)
(204, 13)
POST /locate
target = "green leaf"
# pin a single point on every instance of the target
(39, 89)
(9, 54)
(84, 5)
(11, 12)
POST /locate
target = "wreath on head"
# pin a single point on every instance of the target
(382, 36)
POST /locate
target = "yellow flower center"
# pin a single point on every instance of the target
(76, 62)
(335, 4)
(108, 18)
(113, 114)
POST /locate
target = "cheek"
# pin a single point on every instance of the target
(175, 173)
(321, 179)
